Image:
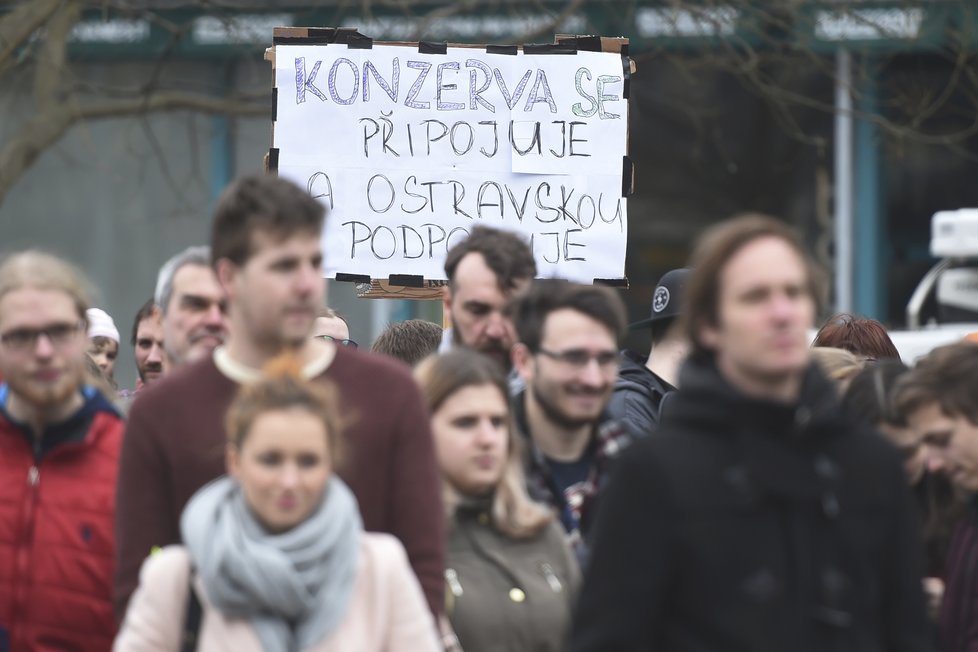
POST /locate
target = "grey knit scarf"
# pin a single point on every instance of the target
(293, 587)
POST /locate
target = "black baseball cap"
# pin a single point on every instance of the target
(667, 300)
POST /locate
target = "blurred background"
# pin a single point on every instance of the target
(121, 122)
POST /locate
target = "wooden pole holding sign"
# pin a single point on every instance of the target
(410, 145)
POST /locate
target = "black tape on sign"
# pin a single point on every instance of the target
(502, 49)
(319, 36)
(612, 282)
(583, 43)
(298, 40)
(429, 47)
(626, 71)
(627, 174)
(273, 159)
(352, 278)
(331, 33)
(560, 48)
(274, 104)
(360, 42)
(406, 280)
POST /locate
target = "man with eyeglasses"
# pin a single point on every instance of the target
(332, 327)
(567, 354)
(59, 450)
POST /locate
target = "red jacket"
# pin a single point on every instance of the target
(57, 507)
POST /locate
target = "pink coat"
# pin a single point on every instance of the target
(387, 612)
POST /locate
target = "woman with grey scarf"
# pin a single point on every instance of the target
(275, 552)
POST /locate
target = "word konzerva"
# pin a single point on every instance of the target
(481, 78)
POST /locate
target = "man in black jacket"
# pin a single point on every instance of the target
(759, 518)
(643, 382)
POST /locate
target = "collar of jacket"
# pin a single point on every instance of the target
(473, 506)
(74, 429)
(708, 399)
(633, 372)
(779, 448)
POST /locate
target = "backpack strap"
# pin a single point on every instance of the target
(191, 620)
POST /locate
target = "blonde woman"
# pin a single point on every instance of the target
(511, 578)
(275, 554)
(839, 365)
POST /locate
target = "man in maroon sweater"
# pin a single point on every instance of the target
(265, 246)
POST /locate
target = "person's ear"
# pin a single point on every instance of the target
(226, 274)
(709, 336)
(446, 304)
(232, 461)
(522, 361)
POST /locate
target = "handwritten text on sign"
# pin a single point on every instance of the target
(409, 151)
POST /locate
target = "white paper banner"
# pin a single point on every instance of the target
(410, 151)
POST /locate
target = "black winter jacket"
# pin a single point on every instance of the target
(637, 398)
(753, 526)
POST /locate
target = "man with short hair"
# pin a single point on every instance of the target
(939, 401)
(760, 516)
(147, 343)
(193, 307)
(267, 254)
(332, 326)
(409, 341)
(59, 449)
(643, 382)
(484, 271)
(567, 355)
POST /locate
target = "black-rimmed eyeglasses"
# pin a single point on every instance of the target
(21, 339)
(579, 358)
(330, 338)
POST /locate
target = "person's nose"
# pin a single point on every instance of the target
(592, 374)
(289, 478)
(308, 280)
(214, 316)
(487, 434)
(155, 354)
(495, 326)
(43, 346)
(934, 460)
(782, 307)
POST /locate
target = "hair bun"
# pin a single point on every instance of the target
(284, 365)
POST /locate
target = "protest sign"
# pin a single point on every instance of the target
(411, 145)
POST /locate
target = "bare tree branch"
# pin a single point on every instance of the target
(49, 72)
(18, 26)
(47, 127)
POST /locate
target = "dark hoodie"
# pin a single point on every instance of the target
(638, 394)
(751, 525)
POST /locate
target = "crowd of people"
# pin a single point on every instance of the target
(515, 482)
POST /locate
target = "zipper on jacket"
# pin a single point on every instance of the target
(23, 553)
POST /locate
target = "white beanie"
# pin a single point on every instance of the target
(100, 324)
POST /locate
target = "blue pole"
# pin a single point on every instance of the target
(870, 284)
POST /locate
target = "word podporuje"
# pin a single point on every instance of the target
(409, 151)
